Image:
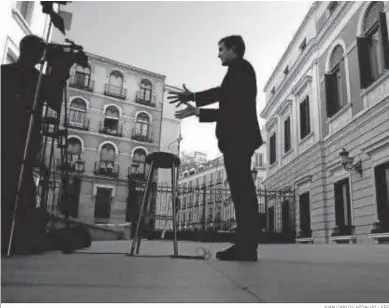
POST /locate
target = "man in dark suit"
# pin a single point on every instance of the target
(238, 135)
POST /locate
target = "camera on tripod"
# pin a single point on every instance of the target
(66, 55)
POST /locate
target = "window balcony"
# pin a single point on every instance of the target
(142, 135)
(113, 130)
(137, 177)
(77, 165)
(82, 124)
(82, 82)
(114, 91)
(107, 168)
(140, 99)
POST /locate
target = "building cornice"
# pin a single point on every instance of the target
(269, 124)
(291, 44)
(303, 82)
(288, 79)
(126, 67)
(284, 106)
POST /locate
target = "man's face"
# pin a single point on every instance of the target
(226, 55)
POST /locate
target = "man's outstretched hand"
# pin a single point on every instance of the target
(187, 112)
(181, 97)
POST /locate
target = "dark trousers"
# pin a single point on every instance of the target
(243, 194)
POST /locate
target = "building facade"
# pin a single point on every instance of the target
(329, 92)
(21, 18)
(114, 118)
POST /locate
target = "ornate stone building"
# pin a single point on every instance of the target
(329, 92)
(114, 113)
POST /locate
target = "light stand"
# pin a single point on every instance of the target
(178, 140)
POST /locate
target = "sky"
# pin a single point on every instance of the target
(179, 40)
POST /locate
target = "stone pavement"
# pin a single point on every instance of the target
(285, 273)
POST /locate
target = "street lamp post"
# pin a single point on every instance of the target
(178, 140)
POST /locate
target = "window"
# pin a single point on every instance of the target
(305, 213)
(111, 120)
(373, 46)
(115, 86)
(335, 82)
(303, 45)
(116, 79)
(286, 70)
(108, 153)
(26, 8)
(332, 6)
(77, 112)
(258, 159)
(11, 57)
(287, 137)
(273, 149)
(142, 125)
(139, 162)
(74, 149)
(381, 173)
(342, 204)
(146, 89)
(305, 127)
(82, 77)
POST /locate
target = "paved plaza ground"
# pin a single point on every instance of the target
(284, 273)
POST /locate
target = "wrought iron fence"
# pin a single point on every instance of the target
(210, 208)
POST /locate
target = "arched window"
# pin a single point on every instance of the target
(108, 153)
(145, 90)
(142, 125)
(116, 79)
(106, 165)
(373, 46)
(335, 82)
(111, 121)
(77, 113)
(74, 149)
(139, 162)
(115, 86)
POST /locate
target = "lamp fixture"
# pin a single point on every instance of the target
(347, 162)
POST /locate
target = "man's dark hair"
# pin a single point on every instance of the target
(31, 42)
(236, 42)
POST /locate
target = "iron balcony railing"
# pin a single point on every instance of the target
(116, 131)
(82, 123)
(75, 165)
(142, 135)
(141, 99)
(114, 91)
(107, 168)
(81, 81)
(136, 176)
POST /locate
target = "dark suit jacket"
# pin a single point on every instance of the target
(236, 118)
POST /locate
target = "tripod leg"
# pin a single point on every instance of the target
(142, 224)
(135, 241)
(174, 199)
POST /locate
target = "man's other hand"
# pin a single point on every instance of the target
(187, 112)
(181, 97)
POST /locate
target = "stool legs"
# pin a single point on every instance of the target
(174, 199)
(136, 240)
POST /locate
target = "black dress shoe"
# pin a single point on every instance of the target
(235, 254)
